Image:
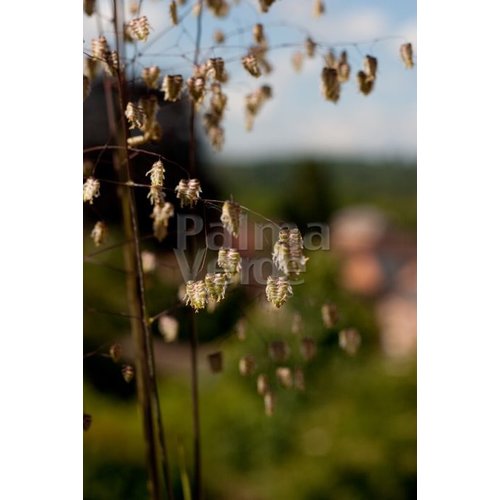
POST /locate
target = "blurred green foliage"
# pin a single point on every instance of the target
(350, 436)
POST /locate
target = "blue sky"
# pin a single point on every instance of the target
(298, 120)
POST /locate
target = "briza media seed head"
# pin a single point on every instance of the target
(329, 315)
(279, 351)
(310, 47)
(299, 379)
(370, 65)
(91, 190)
(269, 403)
(262, 384)
(196, 295)
(128, 373)
(219, 8)
(330, 85)
(148, 261)
(173, 13)
(365, 84)
(247, 365)
(308, 348)
(216, 286)
(100, 49)
(135, 115)
(258, 33)
(89, 7)
(138, 29)
(169, 328)
(157, 177)
(196, 89)
(161, 214)
(216, 69)
(230, 217)
(406, 51)
(151, 76)
(115, 352)
(318, 8)
(188, 192)
(297, 61)
(215, 361)
(229, 260)
(278, 290)
(350, 340)
(219, 37)
(265, 4)
(284, 376)
(172, 87)
(250, 64)
(99, 233)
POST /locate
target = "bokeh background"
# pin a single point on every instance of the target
(352, 433)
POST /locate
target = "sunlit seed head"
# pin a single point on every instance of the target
(350, 340)
(99, 233)
(172, 87)
(196, 295)
(269, 403)
(151, 76)
(250, 64)
(406, 51)
(247, 365)
(161, 214)
(329, 315)
(230, 217)
(115, 352)
(135, 115)
(284, 376)
(370, 65)
(128, 373)
(91, 190)
(262, 384)
(138, 29)
(148, 260)
(169, 328)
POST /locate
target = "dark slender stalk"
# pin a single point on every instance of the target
(147, 386)
(197, 475)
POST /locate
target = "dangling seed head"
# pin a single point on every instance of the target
(99, 233)
(172, 87)
(216, 69)
(196, 89)
(157, 176)
(247, 365)
(318, 8)
(230, 217)
(100, 49)
(215, 361)
(161, 214)
(370, 67)
(148, 260)
(265, 4)
(219, 37)
(250, 64)
(329, 314)
(151, 76)
(87, 421)
(278, 290)
(299, 380)
(128, 373)
(330, 85)
(196, 295)
(91, 190)
(308, 348)
(229, 260)
(279, 351)
(269, 403)
(297, 61)
(135, 115)
(138, 29)
(173, 13)
(365, 84)
(220, 8)
(169, 328)
(310, 46)
(115, 352)
(258, 33)
(406, 52)
(284, 376)
(216, 286)
(350, 340)
(89, 7)
(188, 191)
(262, 384)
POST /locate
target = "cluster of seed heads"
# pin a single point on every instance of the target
(196, 294)
(188, 192)
(230, 217)
(138, 29)
(288, 252)
(216, 285)
(254, 103)
(91, 190)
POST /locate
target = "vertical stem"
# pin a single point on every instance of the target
(193, 337)
(146, 379)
